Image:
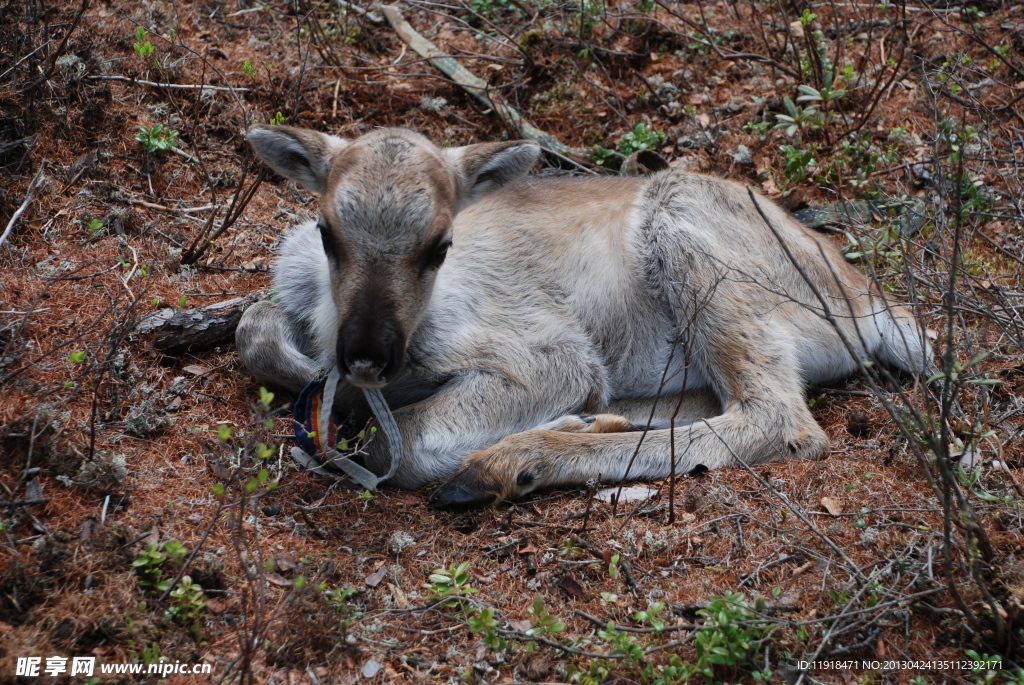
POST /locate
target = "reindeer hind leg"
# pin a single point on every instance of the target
(267, 345)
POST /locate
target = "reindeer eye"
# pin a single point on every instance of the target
(440, 252)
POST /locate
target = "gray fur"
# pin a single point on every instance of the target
(566, 296)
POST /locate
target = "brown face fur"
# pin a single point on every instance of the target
(387, 203)
(385, 242)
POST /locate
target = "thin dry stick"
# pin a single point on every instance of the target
(176, 86)
(29, 195)
(475, 86)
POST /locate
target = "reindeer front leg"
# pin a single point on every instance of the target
(476, 409)
(537, 459)
(765, 419)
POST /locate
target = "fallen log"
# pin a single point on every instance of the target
(199, 329)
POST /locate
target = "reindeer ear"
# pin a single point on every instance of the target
(485, 167)
(298, 154)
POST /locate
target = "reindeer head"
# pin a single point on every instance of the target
(386, 208)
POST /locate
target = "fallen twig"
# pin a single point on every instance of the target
(175, 86)
(23, 502)
(632, 629)
(29, 195)
(476, 86)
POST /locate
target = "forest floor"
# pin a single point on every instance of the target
(124, 468)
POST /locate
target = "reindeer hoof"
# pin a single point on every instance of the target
(455, 496)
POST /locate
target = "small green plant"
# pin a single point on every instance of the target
(613, 566)
(263, 452)
(277, 119)
(544, 623)
(840, 598)
(249, 69)
(797, 119)
(450, 583)
(590, 15)
(95, 225)
(824, 97)
(856, 159)
(885, 245)
(759, 128)
(799, 163)
(486, 623)
(569, 549)
(727, 641)
(182, 302)
(987, 669)
(151, 654)
(642, 137)
(959, 369)
(157, 139)
(188, 606)
(143, 48)
(602, 155)
(339, 599)
(651, 616)
(972, 15)
(487, 8)
(150, 562)
(77, 357)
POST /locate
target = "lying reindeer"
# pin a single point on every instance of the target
(527, 331)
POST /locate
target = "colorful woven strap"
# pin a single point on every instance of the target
(317, 433)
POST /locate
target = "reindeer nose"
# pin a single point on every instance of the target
(371, 342)
(364, 373)
(370, 360)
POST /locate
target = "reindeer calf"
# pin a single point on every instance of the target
(526, 330)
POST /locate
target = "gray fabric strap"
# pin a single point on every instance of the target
(361, 475)
(386, 419)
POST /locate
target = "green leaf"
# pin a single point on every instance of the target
(809, 94)
(976, 359)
